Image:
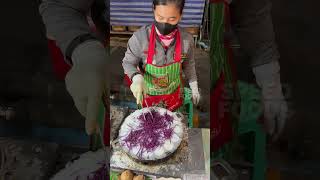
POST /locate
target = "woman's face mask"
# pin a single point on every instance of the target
(165, 28)
(166, 18)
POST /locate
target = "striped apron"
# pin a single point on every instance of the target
(163, 82)
(224, 121)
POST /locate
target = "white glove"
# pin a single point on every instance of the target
(195, 92)
(86, 81)
(275, 106)
(138, 88)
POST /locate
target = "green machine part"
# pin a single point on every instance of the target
(97, 139)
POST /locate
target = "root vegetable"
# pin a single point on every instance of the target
(126, 175)
(139, 177)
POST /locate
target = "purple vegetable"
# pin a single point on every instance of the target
(102, 173)
(168, 133)
(154, 129)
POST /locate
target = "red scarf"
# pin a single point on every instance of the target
(167, 39)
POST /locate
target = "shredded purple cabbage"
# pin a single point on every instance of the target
(154, 129)
(101, 174)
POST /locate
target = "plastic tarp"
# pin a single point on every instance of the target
(139, 13)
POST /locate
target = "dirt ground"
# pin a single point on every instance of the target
(118, 48)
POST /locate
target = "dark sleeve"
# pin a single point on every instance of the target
(189, 66)
(65, 19)
(132, 56)
(253, 26)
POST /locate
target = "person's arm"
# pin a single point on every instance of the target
(253, 25)
(189, 69)
(65, 20)
(132, 57)
(189, 65)
(130, 64)
(254, 29)
(66, 23)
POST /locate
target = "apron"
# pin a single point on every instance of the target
(163, 82)
(60, 67)
(223, 123)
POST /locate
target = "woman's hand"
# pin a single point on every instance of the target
(195, 92)
(275, 105)
(138, 88)
(87, 81)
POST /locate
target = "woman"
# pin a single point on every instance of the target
(161, 51)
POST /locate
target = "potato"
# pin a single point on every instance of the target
(126, 175)
(139, 177)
